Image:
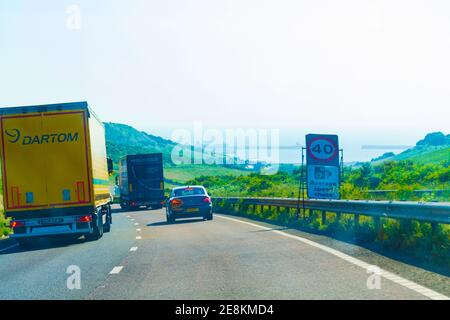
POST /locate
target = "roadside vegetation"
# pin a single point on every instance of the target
(4, 223)
(402, 180)
(393, 180)
(4, 230)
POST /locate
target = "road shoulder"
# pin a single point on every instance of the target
(7, 243)
(434, 281)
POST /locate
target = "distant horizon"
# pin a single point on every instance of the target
(352, 154)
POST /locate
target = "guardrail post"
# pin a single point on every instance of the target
(356, 220)
(434, 227)
(324, 217)
(378, 226)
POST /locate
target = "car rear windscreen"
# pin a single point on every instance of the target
(189, 192)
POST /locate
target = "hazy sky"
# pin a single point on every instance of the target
(374, 72)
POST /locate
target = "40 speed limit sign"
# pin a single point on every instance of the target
(322, 162)
(322, 150)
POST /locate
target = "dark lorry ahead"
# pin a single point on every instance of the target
(141, 181)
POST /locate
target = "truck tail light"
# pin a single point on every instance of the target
(17, 224)
(207, 200)
(176, 203)
(84, 219)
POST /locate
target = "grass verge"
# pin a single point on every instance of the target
(4, 223)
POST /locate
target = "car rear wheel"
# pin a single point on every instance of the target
(209, 217)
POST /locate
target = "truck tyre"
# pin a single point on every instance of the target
(98, 229)
(107, 225)
(123, 206)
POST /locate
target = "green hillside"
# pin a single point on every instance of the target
(182, 173)
(433, 149)
(123, 139)
(425, 154)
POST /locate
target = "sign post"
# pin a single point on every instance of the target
(322, 166)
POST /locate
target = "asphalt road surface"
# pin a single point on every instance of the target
(146, 258)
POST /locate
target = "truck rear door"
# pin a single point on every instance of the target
(67, 162)
(23, 162)
(146, 178)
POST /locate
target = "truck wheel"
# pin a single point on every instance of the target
(107, 225)
(110, 214)
(98, 229)
(123, 206)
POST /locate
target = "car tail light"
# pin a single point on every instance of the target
(176, 203)
(207, 199)
(17, 224)
(84, 219)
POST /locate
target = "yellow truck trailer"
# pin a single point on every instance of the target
(55, 171)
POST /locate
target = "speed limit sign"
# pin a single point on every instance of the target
(322, 150)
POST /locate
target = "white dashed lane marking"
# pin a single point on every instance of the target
(133, 249)
(116, 270)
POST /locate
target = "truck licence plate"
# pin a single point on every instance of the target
(47, 221)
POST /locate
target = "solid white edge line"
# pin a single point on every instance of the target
(116, 270)
(10, 247)
(387, 275)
